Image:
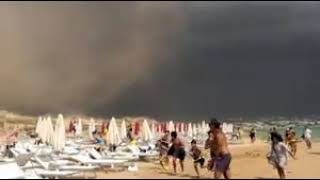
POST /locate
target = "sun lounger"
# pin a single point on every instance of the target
(11, 171)
(112, 155)
(54, 174)
(102, 162)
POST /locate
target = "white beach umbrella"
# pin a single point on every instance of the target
(225, 127)
(48, 131)
(79, 127)
(38, 126)
(113, 134)
(123, 130)
(146, 132)
(190, 133)
(153, 128)
(194, 129)
(92, 128)
(199, 128)
(207, 126)
(204, 127)
(171, 126)
(182, 129)
(59, 134)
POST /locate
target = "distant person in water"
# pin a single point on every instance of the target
(307, 137)
(196, 154)
(278, 156)
(253, 135)
(221, 151)
(178, 151)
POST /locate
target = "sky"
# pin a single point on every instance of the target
(167, 60)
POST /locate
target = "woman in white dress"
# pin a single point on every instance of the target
(279, 154)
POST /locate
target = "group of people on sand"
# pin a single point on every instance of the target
(220, 156)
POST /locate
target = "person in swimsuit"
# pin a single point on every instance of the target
(164, 147)
(178, 151)
(196, 154)
(221, 151)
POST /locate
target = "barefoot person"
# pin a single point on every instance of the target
(178, 151)
(164, 147)
(208, 145)
(196, 154)
(292, 142)
(279, 155)
(221, 151)
(307, 137)
(253, 135)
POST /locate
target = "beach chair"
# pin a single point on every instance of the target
(62, 169)
(22, 157)
(11, 171)
(112, 155)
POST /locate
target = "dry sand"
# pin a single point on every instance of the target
(249, 161)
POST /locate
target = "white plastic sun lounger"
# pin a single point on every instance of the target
(101, 162)
(54, 174)
(11, 171)
(113, 155)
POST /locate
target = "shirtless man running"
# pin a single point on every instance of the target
(219, 147)
(179, 151)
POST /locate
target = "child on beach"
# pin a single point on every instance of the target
(164, 147)
(196, 154)
(208, 145)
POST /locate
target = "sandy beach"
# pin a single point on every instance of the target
(249, 161)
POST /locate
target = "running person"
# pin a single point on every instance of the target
(196, 154)
(221, 151)
(208, 145)
(164, 147)
(279, 155)
(307, 137)
(178, 151)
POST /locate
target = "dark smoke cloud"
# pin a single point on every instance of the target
(179, 60)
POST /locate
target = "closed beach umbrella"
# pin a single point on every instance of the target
(79, 127)
(59, 134)
(153, 128)
(190, 133)
(146, 132)
(38, 126)
(171, 126)
(182, 128)
(92, 128)
(113, 134)
(123, 130)
(194, 129)
(204, 126)
(48, 133)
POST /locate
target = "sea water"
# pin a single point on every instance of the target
(263, 134)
